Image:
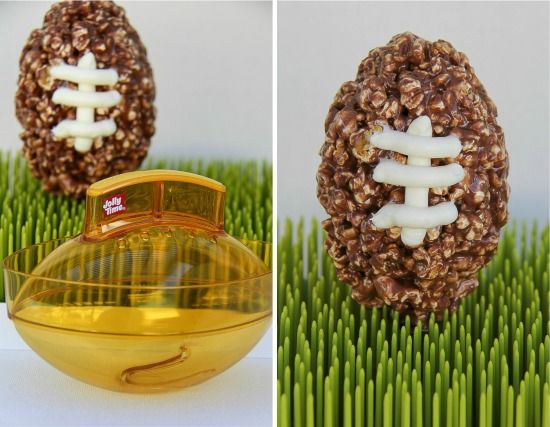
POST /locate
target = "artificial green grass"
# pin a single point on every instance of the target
(29, 215)
(488, 364)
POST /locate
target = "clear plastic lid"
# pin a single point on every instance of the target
(153, 228)
(152, 296)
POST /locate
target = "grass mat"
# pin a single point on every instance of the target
(29, 215)
(488, 364)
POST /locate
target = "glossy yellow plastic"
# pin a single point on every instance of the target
(153, 296)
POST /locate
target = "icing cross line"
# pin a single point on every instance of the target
(86, 100)
(415, 217)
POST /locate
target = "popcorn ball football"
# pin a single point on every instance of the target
(85, 96)
(413, 177)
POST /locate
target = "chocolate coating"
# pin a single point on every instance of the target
(71, 29)
(396, 83)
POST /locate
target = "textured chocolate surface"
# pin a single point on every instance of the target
(396, 83)
(71, 29)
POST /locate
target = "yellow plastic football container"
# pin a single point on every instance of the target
(152, 296)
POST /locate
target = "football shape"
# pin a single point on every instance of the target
(413, 178)
(85, 97)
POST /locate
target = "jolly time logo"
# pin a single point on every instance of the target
(115, 204)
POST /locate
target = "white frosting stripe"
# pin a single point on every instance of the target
(421, 127)
(395, 215)
(414, 145)
(84, 129)
(94, 77)
(84, 115)
(68, 128)
(392, 172)
(417, 176)
(79, 98)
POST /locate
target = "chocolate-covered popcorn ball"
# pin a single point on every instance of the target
(413, 177)
(85, 96)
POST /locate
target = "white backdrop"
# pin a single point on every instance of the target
(321, 45)
(212, 65)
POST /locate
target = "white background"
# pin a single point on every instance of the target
(320, 46)
(212, 65)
